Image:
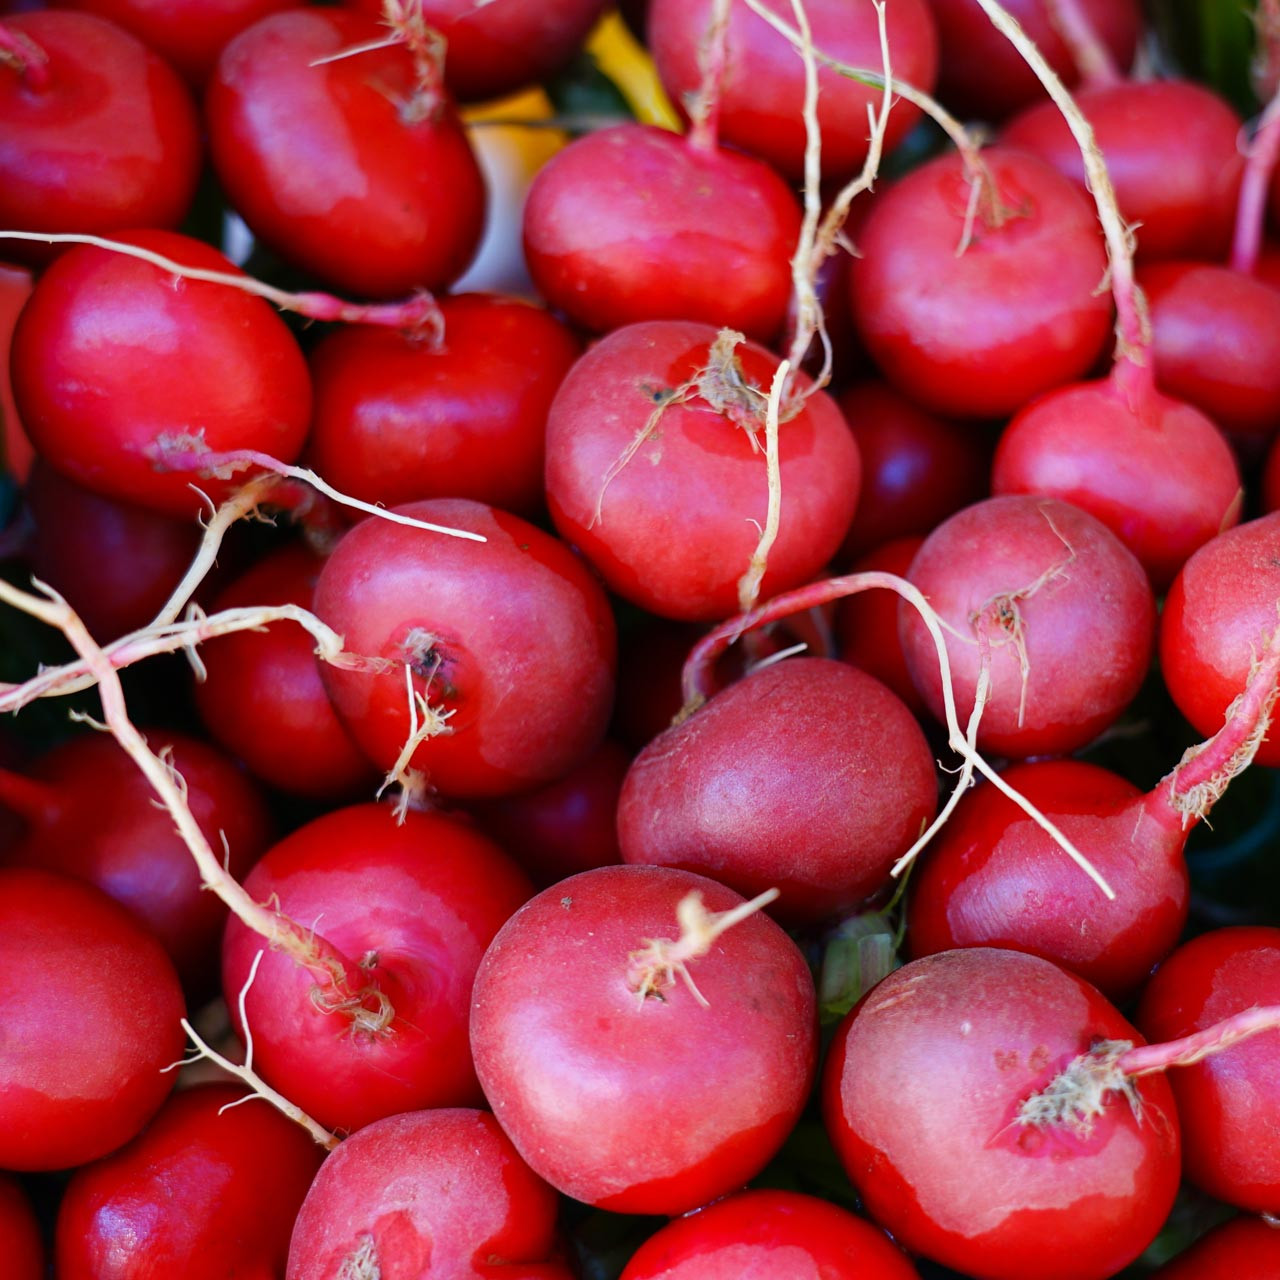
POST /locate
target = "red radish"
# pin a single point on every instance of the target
(1049, 603)
(493, 51)
(99, 133)
(932, 1096)
(400, 416)
(567, 826)
(992, 877)
(656, 468)
(18, 455)
(262, 697)
(625, 224)
(509, 642)
(90, 813)
(351, 168)
(189, 34)
(583, 1033)
(866, 625)
(976, 290)
(1171, 149)
(208, 1190)
(412, 907)
(808, 775)
(980, 75)
(20, 1243)
(917, 468)
(1230, 1102)
(1216, 613)
(118, 366)
(92, 1010)
(762, 90)
(1245, 1248)
(769, 1235)
(138, 556)
(424, 1194)
(1216, 343)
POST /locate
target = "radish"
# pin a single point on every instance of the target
(763, 85)
(1245, 1248)
(189, 34)
(1220, 604)
(404, 909)
(401, 416)
(930, 1096)
(493, 51)
(99, 133)
(635, 1072)
(352, 167)
(499, 655)
(89, 813)
(980, 75)
(117, 369)
(807, 775)
(15, 289)
(91, 1006)
(781, 1235)
(623, 225)
(426, 1193)
(20, 1243)
(976, 287)
(1230, 1102)
(207, 1190)
(655, 468)
(1048, 602)
(262, 697)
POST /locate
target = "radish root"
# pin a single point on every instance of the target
(425, 722)
(245, 1072)
(653, 969)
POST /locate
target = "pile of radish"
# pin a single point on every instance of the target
(674, 745)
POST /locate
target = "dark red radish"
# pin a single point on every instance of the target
(1050, 604)
(1171, 147)
(992, 877)
(118, 366)
(510, 644)
(866, 625)
(976, 291)
(762, 92)
(622, 1085)
(781, 1235)
(980, 75)
(351, 169)
(656, 468)
(18, 455)
(1215, 618)
(114, 562)
(97, 132)
(424, 1194)
(626, 224)
(1271, 480)
(1229, 1104)
(494, 51)
(89, 812)
(412, 906)
(208, 1190)
(188, 34)
(567, 826)
(1246, 1248)
(808, 775)
(1216, 343)
(20, 1242)
(262, 697)
(651, 656)
(933, 1097)
(402, 416)
(917, 468)
(92, 1014)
